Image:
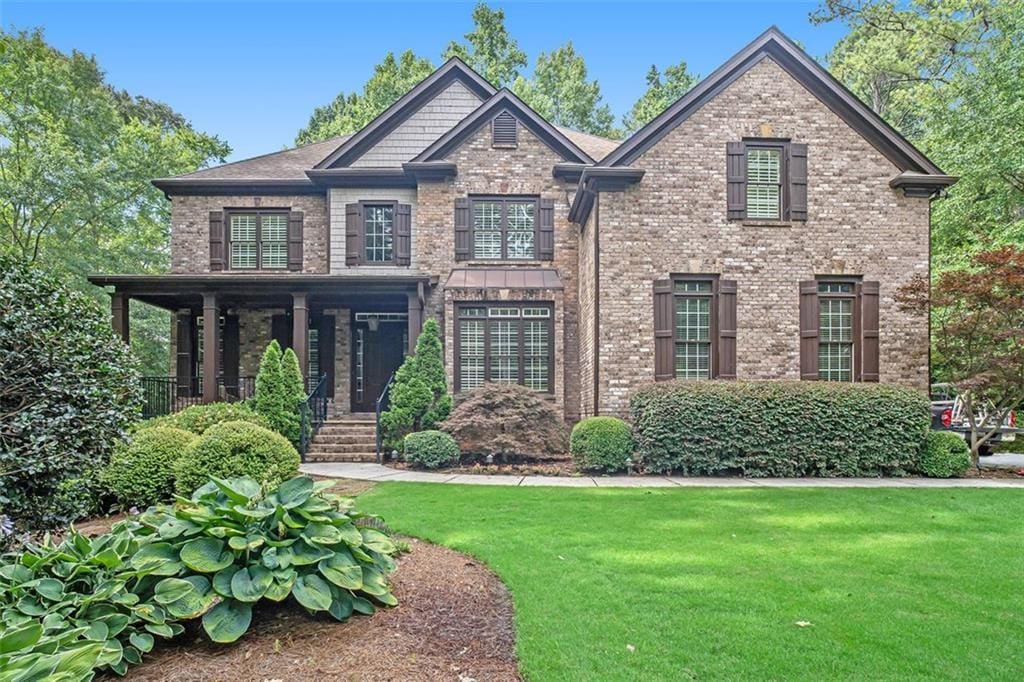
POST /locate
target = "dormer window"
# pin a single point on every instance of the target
(504, 130)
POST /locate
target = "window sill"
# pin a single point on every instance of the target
(768, 223)
(487, 262)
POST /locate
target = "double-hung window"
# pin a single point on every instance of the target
(504, 228)
(693, 322)
(258, 240)
(378, 233)
(765, 176)
(835, 330)
(503, 343)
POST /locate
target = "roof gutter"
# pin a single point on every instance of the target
(595, 179)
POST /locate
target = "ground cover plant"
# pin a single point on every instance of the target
(779, 428)
(741, 584)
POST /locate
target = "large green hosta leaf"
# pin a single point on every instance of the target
(251, 583)
(206, 555)
(312, 592)
(342, 570)
(295, 492)
(228, 620)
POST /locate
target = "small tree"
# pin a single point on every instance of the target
(419, 396)
(275, 395)
(978, 335)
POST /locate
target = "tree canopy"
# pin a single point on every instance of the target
(659, 94)
(489, 48)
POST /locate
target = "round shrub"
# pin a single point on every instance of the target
(69, 389)
(507, 420)
(198, 418)
(235, 449)
(601, 444)
(141, 471)
(944, 455)
(431, 449)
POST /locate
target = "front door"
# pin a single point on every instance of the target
(377, 351)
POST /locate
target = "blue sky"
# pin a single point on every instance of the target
(251, 72)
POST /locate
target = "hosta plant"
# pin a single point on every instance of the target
(69, 607)
(234, 544)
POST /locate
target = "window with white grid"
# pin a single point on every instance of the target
(379, 226)
(274, 240)
(504, 344)
(258, 240)
(835, 332)
(764, 183)
(244, 241)
(504, 228)
(313, 348)
(693, 329)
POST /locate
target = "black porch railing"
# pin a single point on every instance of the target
(314, 413)
(381, 401)
(166, 395)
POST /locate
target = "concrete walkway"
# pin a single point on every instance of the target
(377, 472)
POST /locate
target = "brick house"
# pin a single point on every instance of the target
(757, 229)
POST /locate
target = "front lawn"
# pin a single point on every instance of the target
(711, 583)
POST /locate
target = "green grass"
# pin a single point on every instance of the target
(709, 583)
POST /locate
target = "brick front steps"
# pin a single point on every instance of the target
(345, 438)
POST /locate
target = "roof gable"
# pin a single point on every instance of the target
(505, 100)
(773, 43)
(424, 92)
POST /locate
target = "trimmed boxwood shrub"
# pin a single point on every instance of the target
(198, 418)
(236, 449)
(508, 421)
(944, 455)
(601, 444)
(431, 449)
(779, 428)
(141, 471)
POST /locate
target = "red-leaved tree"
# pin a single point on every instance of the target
(977, 315)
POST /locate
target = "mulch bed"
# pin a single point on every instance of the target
(453, 622)
(540, 468)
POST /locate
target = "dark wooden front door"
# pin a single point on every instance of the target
(375, 355)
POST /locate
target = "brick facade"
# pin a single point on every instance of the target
(674, 221)
(190, 228)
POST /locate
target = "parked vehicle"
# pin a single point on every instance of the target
(949, 414)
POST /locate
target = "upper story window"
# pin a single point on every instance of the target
(767, 180)
(258, 240)
(379, 233)
(504, 228)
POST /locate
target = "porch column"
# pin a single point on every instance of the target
(415, 320)
(300, 330)
(211, 343)
(119, 313)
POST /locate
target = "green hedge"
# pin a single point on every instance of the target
(236, 449)
(431, 449)
(944, 455)
(141, 472)
(198, 418)
(779, 428)
(601, 444)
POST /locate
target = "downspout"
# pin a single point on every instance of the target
(597, 302)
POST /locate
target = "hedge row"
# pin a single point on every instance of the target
(778, 428)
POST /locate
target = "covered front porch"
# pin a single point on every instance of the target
(349, 332)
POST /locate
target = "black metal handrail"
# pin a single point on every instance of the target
(379, 407)
(313, 411)
(168, 394)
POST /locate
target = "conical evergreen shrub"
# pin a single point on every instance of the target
(279, 391)
(419, 397)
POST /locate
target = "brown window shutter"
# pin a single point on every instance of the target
(798, 181)
(736, 177)
(230, 356)
(462, 234)
(295, 240)
(217, 260)
(809, 324)
(326, 341)
(403, 234)
(726, 330)
(664, 330)
(183, 351)
(546, 231)
(869, 331)
(281, 330)
(353, 231)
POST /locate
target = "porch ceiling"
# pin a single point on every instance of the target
(177, 291)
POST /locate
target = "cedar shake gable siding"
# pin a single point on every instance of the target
(674, 221)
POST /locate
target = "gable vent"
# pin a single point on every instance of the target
(504, 130)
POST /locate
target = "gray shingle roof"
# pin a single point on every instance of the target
(289, 164)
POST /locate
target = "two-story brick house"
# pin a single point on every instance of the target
(758, 228)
